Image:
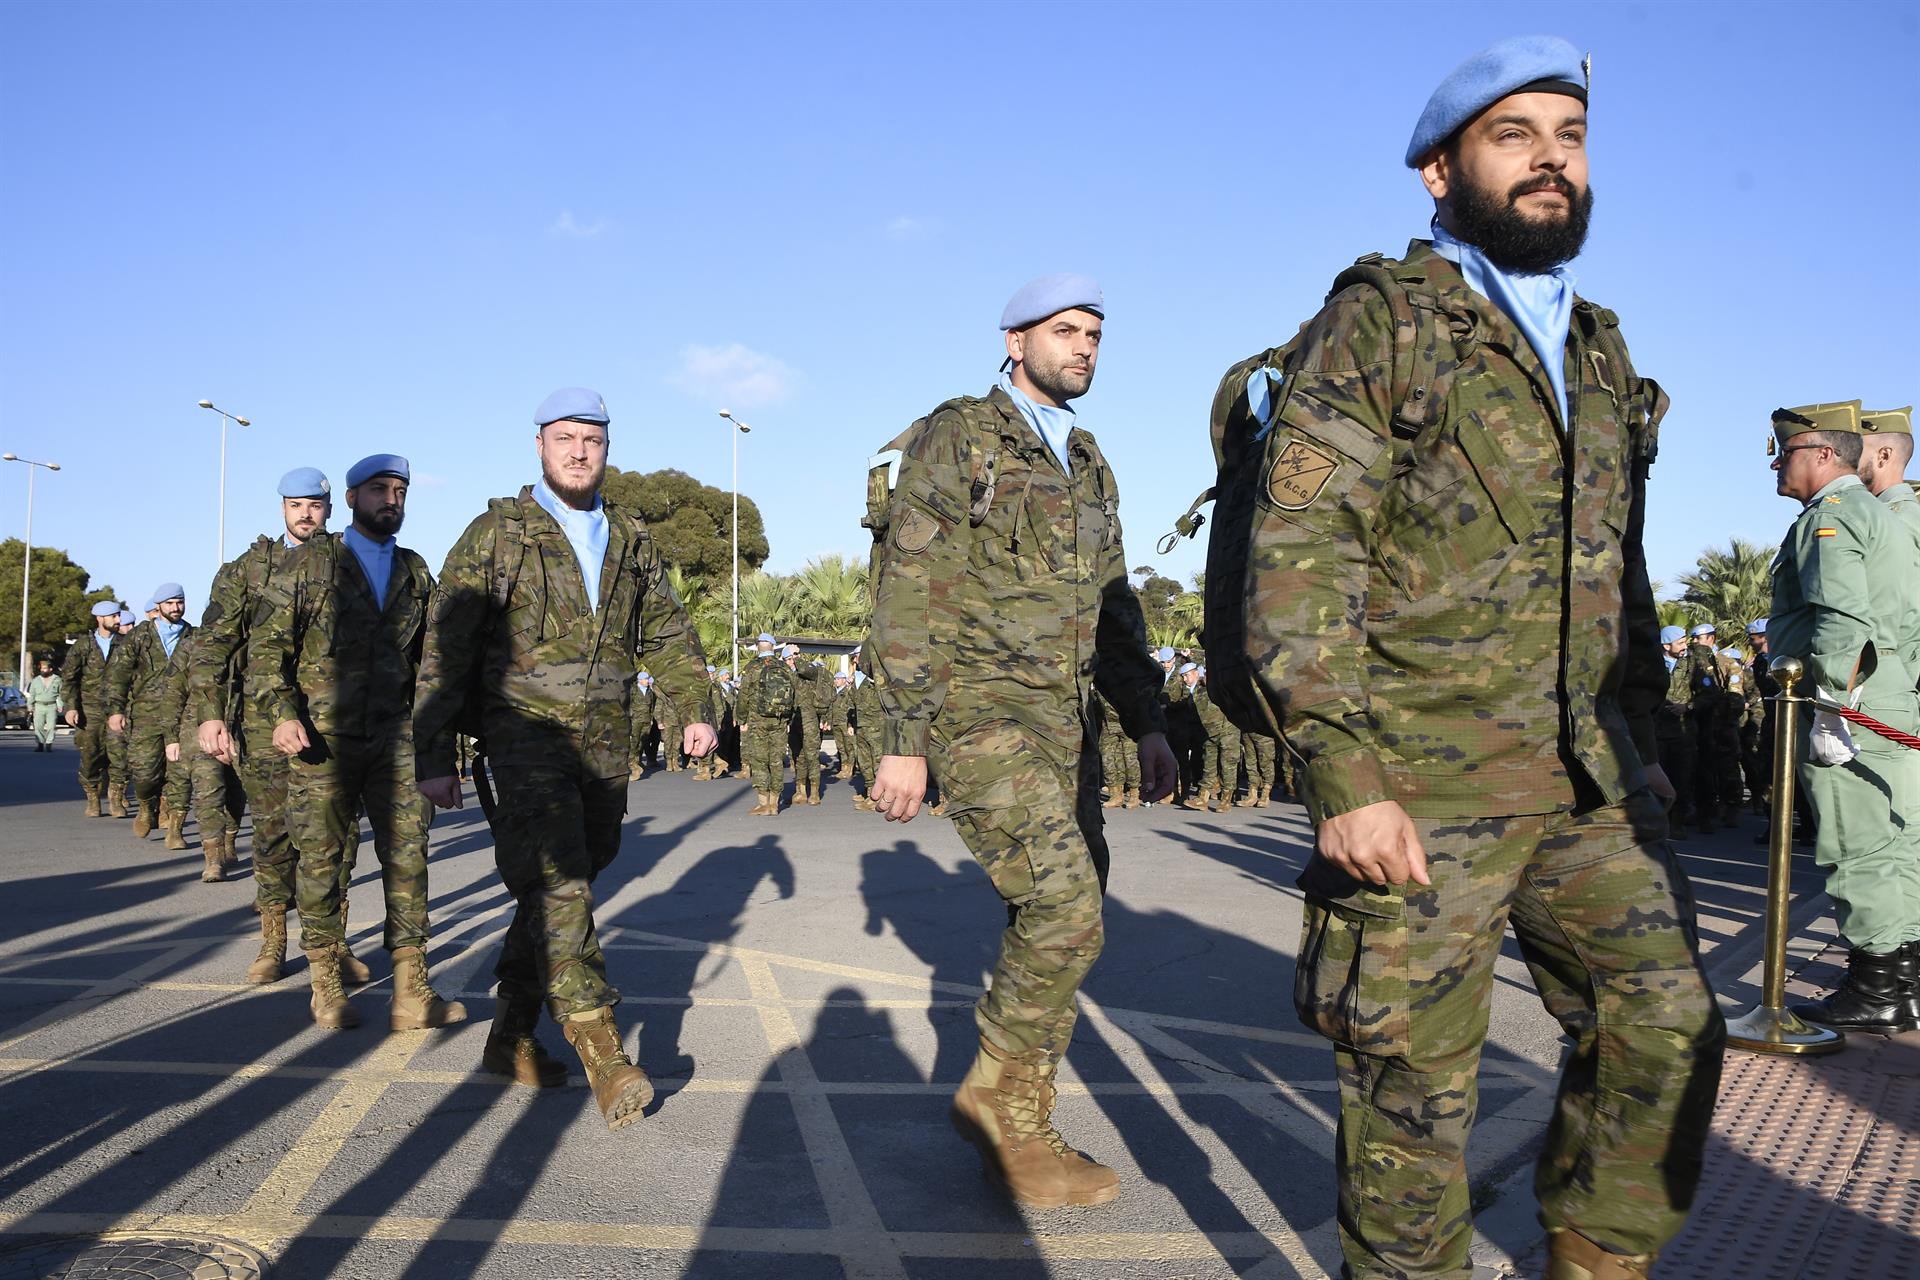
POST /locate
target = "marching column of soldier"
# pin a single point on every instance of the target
(1446, 646)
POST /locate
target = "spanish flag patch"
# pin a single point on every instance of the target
(1835, 499)
(1824, 533)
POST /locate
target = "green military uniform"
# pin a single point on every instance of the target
(867, 720)
(1900, 497)
(342, 664)
(85, 684)
(1846, 602)
(138, 690)
(1716, 710)
(810, 694)
(840, 725)
(1220, 760)
(991, 622)
(1450, 603)
(43, 699)
(1674, 741)
(766, 704)
(549, 680)
(641, 727)
(1119, 762)
(1184, 734)
(673, 725)
(217, 798)
(1256, 753)
(221, 687)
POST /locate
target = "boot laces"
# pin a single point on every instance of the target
(1029, 1106)
(326, 980)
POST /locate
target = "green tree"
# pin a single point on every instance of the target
(59, 602)
(829, 599)
(1730, 587)
(691, 522)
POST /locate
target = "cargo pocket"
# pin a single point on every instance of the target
(1466, 512)
(1350, 983)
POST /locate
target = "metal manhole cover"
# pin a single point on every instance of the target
(123, 1255)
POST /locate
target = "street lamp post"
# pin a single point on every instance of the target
(221, 554)
(733, 658)
(26, 567)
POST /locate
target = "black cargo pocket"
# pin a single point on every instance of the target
(1350, 983)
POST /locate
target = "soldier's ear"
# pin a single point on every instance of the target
(1016, 345)
(1436, 172)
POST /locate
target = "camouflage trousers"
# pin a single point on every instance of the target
(1256, 751)
(1867, 837)
(1401, 981)
(806, 747)
(1674, 742)
(1029, 812)
(673, 731)
(1221, 758)
(214, 788)
(327, 786)
(554, 832)
(1717, 779)
(763, 748)
(1119, 764)
(264, 774)
(103, 757)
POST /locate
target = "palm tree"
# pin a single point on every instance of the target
(829, 598)
(1731, 587)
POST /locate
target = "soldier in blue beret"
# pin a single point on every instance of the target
(85, 698)
(1459, 787)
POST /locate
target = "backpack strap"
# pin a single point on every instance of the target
(510, 526)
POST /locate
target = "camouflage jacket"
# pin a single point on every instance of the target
(1213, 721)
(1846, 600)
(141, 687)
(552, 674)
(1003, 595)
(1673, 708)
(326, 653)
(1411, 589)
(642, 706)
(840, 708)
(755, 674)
(811, 690)
(85, 677)
(868, 714)
(217, 684)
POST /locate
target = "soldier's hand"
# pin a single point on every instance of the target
(1660, 784)
(899, 785)
(216, 741)
(290, 737)
(73, 719)
(1376, 843)
(443, 792)
(116, 724)
(173, 753)
(1158, 769)
(699, 739)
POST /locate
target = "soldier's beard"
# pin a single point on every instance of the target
(574, 495)
(379, 522)
(1062, 381)
(1493, 223)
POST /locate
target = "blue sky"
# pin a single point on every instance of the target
(376, 227)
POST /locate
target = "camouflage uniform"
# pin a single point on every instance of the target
(867, 719)
(763, 738)
(810, 693)
(1220, 758)
(840, 722)
(342, 664)
(672, 723)
(1256, 751)
(215, 787)
(138, 690)
(1457, 616)
(85, 684)
(220, 687)
(641, 727)
(548, 678)
(1119, 762)
(1717, 709)
(992, 619)
(1673, 740)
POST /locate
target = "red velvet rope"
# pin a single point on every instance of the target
(1866, 721)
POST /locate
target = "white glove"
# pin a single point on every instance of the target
(1831, 742)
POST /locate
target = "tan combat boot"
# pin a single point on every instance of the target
(146, 817)
(353, 970)
(769, 806)
(176, 831)
(416, 1005)
(513, 1051)
(813, 792)
(166, 812)
(1114, 801)
(863, 804)
(1196, 799)
(1571, 1256)
(1004, 1107)
(228, 858)
(1131, 801)
(93, 801)
(273, 949)
(211, 872)
(621, 1089)
(117, 801)
(329, 1001)
(1247, 801)
(1260, 801)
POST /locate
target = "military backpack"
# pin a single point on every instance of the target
(773, 692)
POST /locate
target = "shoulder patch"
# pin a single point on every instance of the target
(1299, 474)
(916, 531)
(1834, 499)
(1825, 533)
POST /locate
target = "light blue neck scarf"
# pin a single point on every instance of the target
(376, 561)
(169, 633)
(1540, 306)
(1053, 423)
(586, 533)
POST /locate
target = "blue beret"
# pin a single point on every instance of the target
(1049, 296)
(764, 638)
(107, 609)
(1541, 64)
(305, 482)
(1191, 666)
(169, 591)
(1163, 654)
(379, 464)
(646, 675)
(1704, 629)
(127, 619)
(577, 403)
(1669, 634)
(1758, 627)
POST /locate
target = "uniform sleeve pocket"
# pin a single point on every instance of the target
(1350, 983)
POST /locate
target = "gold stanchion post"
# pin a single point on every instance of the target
(1769, 1027)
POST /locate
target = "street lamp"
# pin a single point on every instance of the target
(225, 417)
(733, 658)
(26, 567)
